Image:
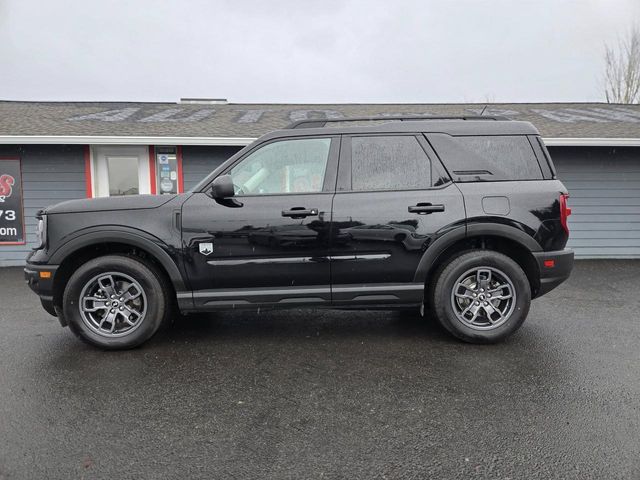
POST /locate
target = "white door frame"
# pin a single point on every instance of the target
(100, 172)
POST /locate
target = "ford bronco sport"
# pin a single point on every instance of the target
(460, 217)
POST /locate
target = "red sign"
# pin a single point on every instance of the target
(6, 182)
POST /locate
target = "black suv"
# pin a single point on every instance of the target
(461, 217)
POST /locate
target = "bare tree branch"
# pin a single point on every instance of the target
(622, 69)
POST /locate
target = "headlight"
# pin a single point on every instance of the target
(41, 232)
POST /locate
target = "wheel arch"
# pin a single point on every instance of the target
(509, 241)
(99, 243)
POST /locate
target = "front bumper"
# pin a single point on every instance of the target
(40, 280)
(554, 267)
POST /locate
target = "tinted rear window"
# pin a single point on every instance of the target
(487, 157)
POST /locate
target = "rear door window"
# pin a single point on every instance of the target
(488, 158)
(389, 162)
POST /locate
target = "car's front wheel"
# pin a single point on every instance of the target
(115, 302)
(481, 296)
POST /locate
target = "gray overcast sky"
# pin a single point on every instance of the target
(308, 51)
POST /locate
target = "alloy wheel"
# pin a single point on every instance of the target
(483, 298)
(113, 304)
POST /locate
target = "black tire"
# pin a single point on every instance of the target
(442, 301)
(153, 284)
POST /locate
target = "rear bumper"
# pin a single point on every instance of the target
(40, 280)
(554, 267)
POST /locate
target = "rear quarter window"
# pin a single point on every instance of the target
(487, 158)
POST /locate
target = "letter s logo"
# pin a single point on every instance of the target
(6, 184)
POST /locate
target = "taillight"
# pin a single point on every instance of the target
(565, 211)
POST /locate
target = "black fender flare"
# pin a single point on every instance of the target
(135, 238)
(473, 230)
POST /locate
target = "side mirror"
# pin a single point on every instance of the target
(222, 187)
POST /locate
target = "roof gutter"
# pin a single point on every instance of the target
(242, 141)
(121, 140)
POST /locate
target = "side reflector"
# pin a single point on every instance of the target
(549, 263)
(45, 274)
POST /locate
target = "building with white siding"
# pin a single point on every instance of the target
(68, 150)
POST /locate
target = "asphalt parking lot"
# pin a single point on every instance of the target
(303, 394)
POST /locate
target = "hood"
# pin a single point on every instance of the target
(128, 202)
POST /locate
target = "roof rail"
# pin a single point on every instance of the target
(322, 122)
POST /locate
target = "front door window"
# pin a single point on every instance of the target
(288, 166)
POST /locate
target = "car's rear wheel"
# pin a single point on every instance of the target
(115, 302)
(481, 296)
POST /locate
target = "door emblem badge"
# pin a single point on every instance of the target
(206, 248)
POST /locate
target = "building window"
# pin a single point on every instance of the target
(123, 176)
(118, 170)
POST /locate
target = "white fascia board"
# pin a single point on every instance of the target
(121, 140)
(592, 142)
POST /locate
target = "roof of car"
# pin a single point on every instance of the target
(236, 120)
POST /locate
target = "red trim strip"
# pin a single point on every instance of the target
(152, 168)
(180, 176)
(24, 226)
(87, 172)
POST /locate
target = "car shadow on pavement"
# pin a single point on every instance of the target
(292, 324)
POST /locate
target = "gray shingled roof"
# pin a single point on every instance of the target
(561, 120)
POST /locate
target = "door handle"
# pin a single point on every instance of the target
(300, 212)
(425, 208)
